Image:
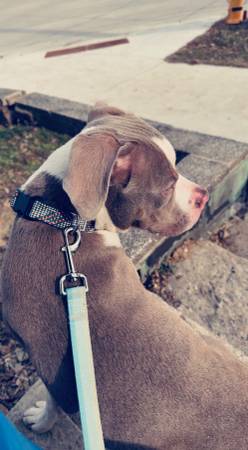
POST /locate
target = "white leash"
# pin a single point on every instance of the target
(81, 348)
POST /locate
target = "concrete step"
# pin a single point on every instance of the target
(233, 235)
(209, 285)
(65, 435)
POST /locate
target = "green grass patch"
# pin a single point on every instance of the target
(25, 148)
(22, 150)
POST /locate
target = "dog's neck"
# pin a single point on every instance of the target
(50, 189)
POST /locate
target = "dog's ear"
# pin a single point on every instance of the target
(93, 162)
(102, 109)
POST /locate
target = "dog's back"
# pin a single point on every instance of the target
(161, 385)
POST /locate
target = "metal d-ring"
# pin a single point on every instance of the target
(68, 249)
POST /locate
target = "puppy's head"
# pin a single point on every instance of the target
(121, 163)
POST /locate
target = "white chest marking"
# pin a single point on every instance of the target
(103, 220)
(110, 238)
(167, 148)
(107, 229)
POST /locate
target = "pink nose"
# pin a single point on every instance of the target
(199, 198)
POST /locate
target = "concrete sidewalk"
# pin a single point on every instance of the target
(29, 26)
(134, 76)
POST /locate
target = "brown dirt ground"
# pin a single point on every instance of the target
(221, 45)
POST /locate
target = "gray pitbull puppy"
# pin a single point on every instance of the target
(161, 384)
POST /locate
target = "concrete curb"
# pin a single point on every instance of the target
(7, 99)
(57, 114)
(217, 163)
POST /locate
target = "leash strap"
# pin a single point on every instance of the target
(84, 368)
(81, 345)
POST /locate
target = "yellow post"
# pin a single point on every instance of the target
(236, 12)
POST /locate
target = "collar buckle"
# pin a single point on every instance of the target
(69, 249)
(23, 203)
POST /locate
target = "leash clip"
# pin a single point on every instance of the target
(68, 249)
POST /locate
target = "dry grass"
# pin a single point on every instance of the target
(221, 45)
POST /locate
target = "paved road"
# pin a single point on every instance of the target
(29, 25)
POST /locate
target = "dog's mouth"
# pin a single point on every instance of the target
(178, 225)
